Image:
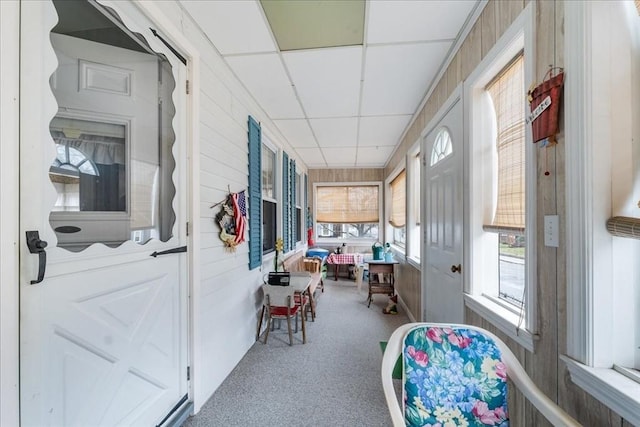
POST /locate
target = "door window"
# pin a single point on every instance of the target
(113, 133)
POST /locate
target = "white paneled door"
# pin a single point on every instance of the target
(103, 324)
(442, 277)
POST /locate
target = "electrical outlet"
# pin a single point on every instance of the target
(551, 231)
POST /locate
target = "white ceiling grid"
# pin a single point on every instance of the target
(340, 106)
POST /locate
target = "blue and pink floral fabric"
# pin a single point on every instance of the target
(453, 377)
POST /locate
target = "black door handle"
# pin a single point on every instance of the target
(170, 251)
(36, 246)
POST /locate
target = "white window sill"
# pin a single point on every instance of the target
(619, 393)
(503, 319)
(398, 251)
(414, 262)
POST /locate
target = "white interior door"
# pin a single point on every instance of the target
(104, 334)
(442, 274)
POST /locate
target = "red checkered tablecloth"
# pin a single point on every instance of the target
(345, 259)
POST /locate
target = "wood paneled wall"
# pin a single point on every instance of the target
(408, 287)
(544, 365)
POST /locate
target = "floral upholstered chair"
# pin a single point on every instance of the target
(456, 375)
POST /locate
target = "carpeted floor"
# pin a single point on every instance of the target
(333, 380)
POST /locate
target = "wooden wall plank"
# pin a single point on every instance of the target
(471, 51)
(488, 29)
(408, 287)
(453, 74)
(543, 363)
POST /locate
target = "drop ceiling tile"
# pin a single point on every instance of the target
(381, 130)
(340, 157)
(266, 79)
(374, 156)
(297, 132)
(327, 80)
(315, 24)
(396, 77)
(312, 157)
(340, 132)
(410, 20)
(233, 26)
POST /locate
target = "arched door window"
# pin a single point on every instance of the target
(441, 147)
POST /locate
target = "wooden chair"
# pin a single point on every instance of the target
(299, 264)
(459, 372)
(279, 303)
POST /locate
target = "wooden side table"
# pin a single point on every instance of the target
(381, 278)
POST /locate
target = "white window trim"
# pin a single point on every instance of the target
(520, 35)
(388, 228)
(588, 202)
(277, 190)
(414, 169)
(355, 242)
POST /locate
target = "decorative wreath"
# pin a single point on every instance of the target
(232, 220)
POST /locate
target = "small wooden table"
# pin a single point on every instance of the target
(381, 278)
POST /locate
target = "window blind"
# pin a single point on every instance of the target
(347, 204)
(507, 93)
(399, 200)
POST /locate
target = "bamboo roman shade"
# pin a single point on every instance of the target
(398, 200)
(507, 92)
(347, 204)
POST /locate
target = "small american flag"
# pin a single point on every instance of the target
(240, 214)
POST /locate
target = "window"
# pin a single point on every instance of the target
(347, 211)
(441, 147)
(414, 205)
(269, 201)
(114, 168)
(299, 203)
(397, 218)
(500, 239)
(507, 94)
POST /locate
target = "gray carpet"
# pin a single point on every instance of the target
(333, 380)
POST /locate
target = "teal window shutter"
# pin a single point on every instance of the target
(255, 194)
(286, 204)
(294, 196)
(305, 205)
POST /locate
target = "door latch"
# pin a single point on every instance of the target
(36, 246)
(155, 254)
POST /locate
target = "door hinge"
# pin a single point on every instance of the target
(424, 159)
(188, 373)
(187, 228)
(187, 87)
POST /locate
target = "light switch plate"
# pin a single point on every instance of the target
(551, 231)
